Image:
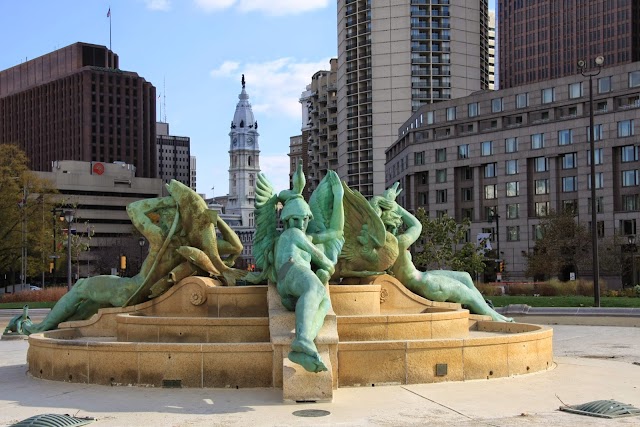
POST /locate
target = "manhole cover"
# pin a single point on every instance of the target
(603, 409)
(53, 420)
(311, 413)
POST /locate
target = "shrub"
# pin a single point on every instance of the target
(51, 294)
(521, 289)
(636, 290)
(489, 290)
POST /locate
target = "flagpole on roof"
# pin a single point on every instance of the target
(109, 16)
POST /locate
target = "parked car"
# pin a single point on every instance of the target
(34, 288)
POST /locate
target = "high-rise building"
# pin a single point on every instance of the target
(174, 156)
(492, 50)
(545, 39)
(76, 104)
(322, 125)
(192, 173)
(523, 152)
(394, 57)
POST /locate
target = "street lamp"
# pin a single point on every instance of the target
(493, 214)
(599, 61)
(141, 242)
(633, 249)
(68, 216)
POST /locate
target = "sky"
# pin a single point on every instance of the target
(194, 52)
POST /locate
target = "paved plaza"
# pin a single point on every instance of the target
(592, 363)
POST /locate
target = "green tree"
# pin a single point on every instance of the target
(442, 245)
(26, 204)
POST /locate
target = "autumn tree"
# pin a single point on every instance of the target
(25, 208)
(442, 245)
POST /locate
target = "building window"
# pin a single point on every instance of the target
(422, 198)
(575, 90)
(511, 145)
(490, 192)
(463, 151)
(513, 211)
(625, 128)
(548, 95)
(570, 206)
(537, 141)
(430, 117)
(541, 186)
(598, 131)
(538, 232)
(473, 109)
(441, 196)
(565, 137)
(441, 155)
(569, 161)
(604, 84)
(496, 105)
(511, 167)
(467, 194)
(467, 213)
(441, 176)
(513, 233)
(598, 153)
(451, 113)
(486, 148)
(599, 180)
(630, 202)
(441, 213)
(467, 173)
(634, 79)
(490, 170)
(541, 164)
(513, 189)
(599, 204)
(630, 178)
(569, 184)
(629, 153)
(627, 226)
(424, 177)
(419, 158)
(522, 100)
(542, 209)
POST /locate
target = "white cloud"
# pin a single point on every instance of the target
(282, 7)
(163, 5)
(275, 85)
(276, 168)
(214, 5)
(227, 69)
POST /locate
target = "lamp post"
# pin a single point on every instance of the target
(494, 215)
(599, 61)
(633, 249)
(141, 242)
(68, 216)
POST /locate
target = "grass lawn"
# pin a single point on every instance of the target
(570, 301)
(38, 304)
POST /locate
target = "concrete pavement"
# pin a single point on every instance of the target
(592, 363)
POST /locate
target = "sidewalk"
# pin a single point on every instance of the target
(593, 363)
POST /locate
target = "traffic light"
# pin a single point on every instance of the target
(501, 266)
(51, 264)
(123, 262)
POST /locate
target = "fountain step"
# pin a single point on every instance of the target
(140, 328)
(437, 324)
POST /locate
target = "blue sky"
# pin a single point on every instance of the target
(194, 52)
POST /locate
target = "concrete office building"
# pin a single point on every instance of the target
(492, 51)
(76, 104)
(192, 173)
(545, 39)
(322, 125)
(393, 58)
(99, 194)
(524, 151)
(174, 155)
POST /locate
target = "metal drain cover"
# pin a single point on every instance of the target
(311, 413)
(54, 420)
(603, 409)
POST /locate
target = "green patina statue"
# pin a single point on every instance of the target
(436, 285)
(176, 251)
(302, 258)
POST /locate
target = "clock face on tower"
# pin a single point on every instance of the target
(235, 141)
(250, 141)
